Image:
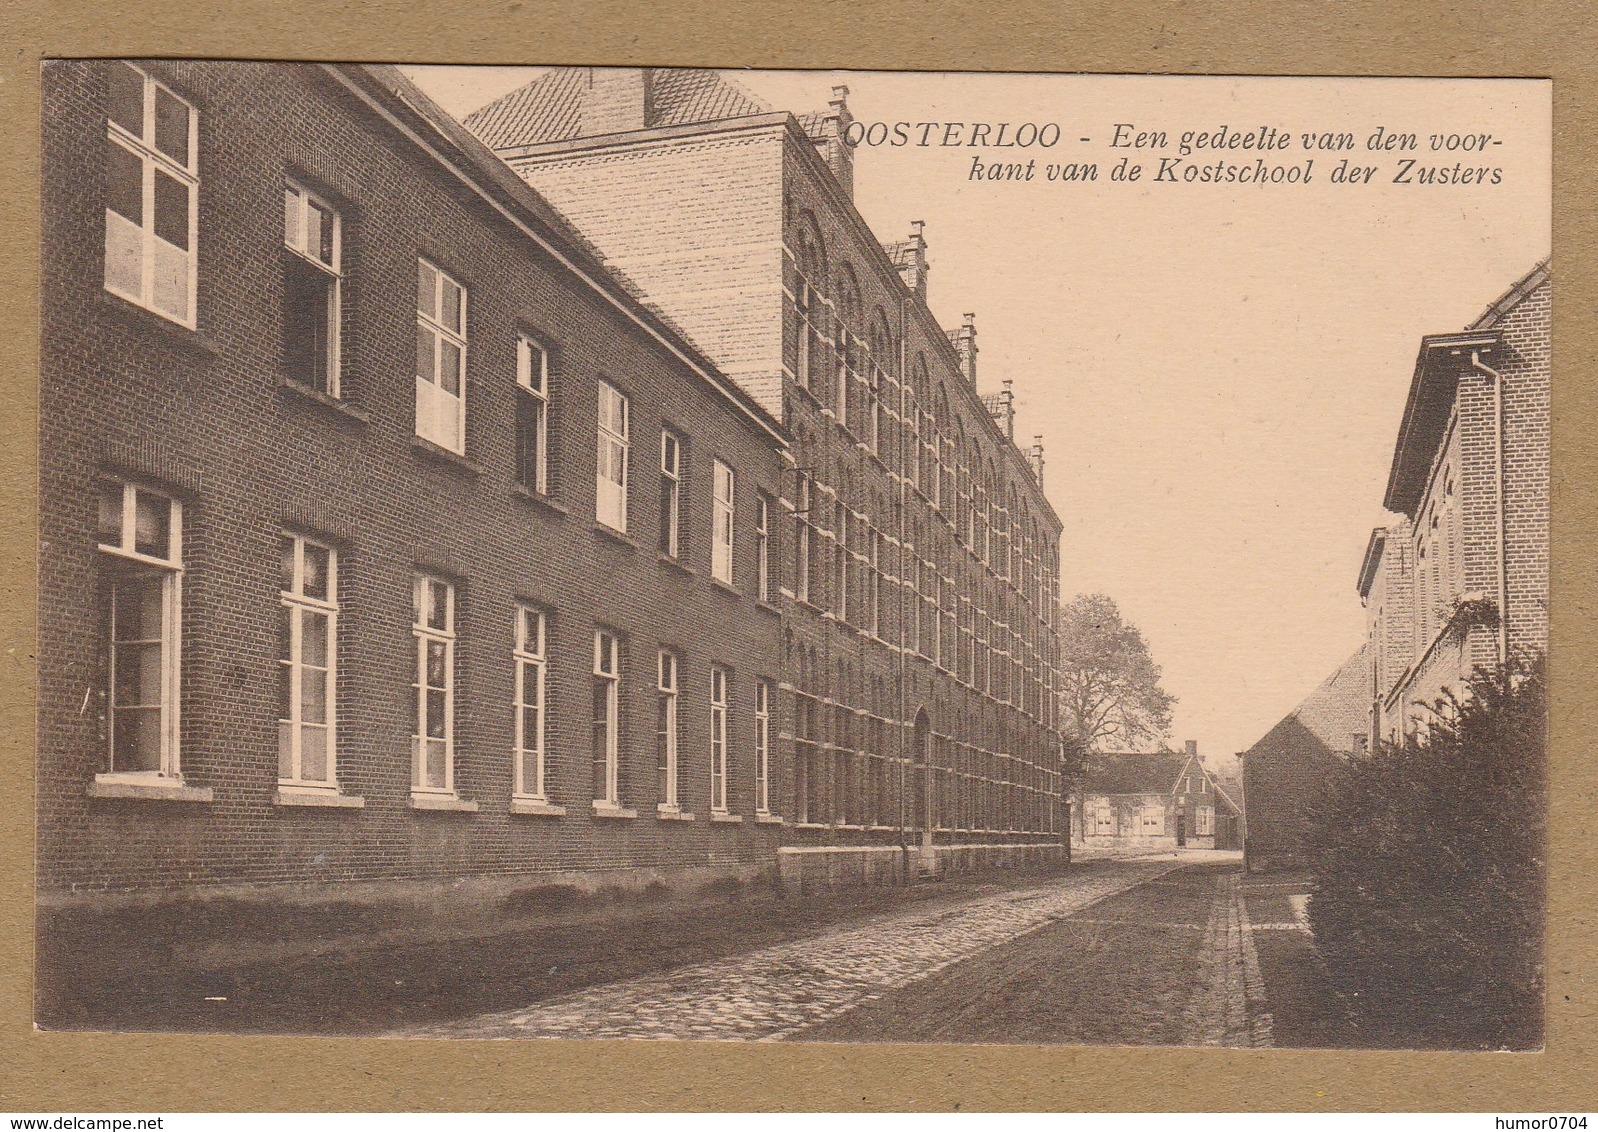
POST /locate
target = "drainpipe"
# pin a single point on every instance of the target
(1498, 476)
(904, 842)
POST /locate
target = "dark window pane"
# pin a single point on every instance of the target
(316, 571)
(125, 98)
(171, 127)
(307, 323)
(171, 210)
(124, 182)
(152, 525)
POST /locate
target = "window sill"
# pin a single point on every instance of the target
(615, 536)
(664, 812)
(613, 813)
(533, 497)
(768, 819)
(329, 799)
(172, 790)
(317, 397)
(729, 819)
(767, 607)
(676, 564)
(425, 447)
(144, 318)
(726, 587)
(813, 825)
(444, 803)
(535, 808)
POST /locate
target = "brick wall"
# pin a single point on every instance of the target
(205, 416)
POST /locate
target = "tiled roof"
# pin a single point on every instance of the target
(1340, 708)
(993, 402)
(1512, 297)
(901, 253)
(1133, 773)
(551, 107)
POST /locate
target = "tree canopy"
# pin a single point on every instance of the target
(1111, 695)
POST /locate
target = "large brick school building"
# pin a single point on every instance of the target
(359, 561)
(391, 533)
(923, 560)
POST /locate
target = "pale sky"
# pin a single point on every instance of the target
(1218, 371)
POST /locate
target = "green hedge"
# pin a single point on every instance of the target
(1429, 866)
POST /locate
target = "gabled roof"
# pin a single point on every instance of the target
(901, 253)
(1133, 773)
(1340, 708)
(554, 106)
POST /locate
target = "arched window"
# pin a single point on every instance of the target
(809, 304)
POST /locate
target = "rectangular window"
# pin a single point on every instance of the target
(610, 487)
(532, 416)
(666, 731)
(763, 549)
(440, 358)
(763, 747)
(807, 334)
(607, 720)
(307, 666)
(718, 739)
(311, 290)
(801, 541)
(152, 187)
(670, 494)
(1104, 820)
(140, 533)
(1204, 821)
(433, 692)
(721, 542)
(529, 658)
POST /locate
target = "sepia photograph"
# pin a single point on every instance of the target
(743, 555)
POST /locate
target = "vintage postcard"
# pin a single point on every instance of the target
(581, 552)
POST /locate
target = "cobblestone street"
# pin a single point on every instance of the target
(795, 988)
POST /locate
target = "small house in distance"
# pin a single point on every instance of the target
(1163, 800)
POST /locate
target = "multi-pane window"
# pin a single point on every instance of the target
(529, 658)
(1204, 821)
(721, 525)
(532, 416)
(610, 482)
(311, 290)
(607, 719)
(151, 189)
(763, 747)
(307, 665)
(670, 494)
(801, 541)
(666, 730)
(433, 691)
(763, 549)
(718, 739)
(440, 358)
(809, 335)
(140, 534)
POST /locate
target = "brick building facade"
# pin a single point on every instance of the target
(1460, 579)
(1148, 801)
(310, 616)
(920, 559)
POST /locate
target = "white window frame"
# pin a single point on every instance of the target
(171, 566)
(667, 685)
(763, 747)
(529, 655)
(762, 548)
(425, 634)
(434, 404)
(1204, 821)
(614, 454)
(299, 605)
(533, 381)
(720, 695)
(186, 173)
(607, 667)
(722, 506)
(296, 237)
(671, 493)
(1153, 819)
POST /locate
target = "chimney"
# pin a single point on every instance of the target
(834, 149)
(965, 347)
(618, 100)
(1035, 455)
(914, 273)
(1192, 748)
(1007, 408)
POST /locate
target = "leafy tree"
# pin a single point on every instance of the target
(1111, 696)
(1428, 910)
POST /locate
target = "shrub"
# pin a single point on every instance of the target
(1429, 871)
